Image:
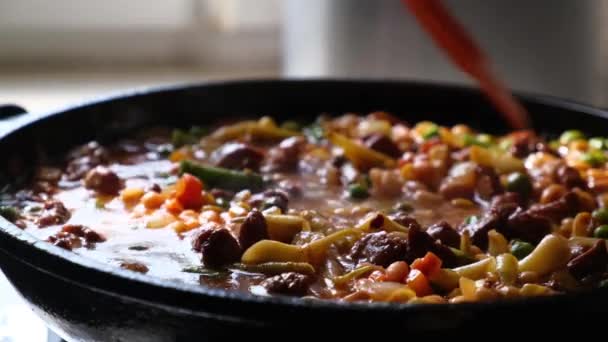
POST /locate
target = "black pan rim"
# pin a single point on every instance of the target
(68, 261)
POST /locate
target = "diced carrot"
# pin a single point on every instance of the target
(428, 265)
(418, 282)
(173, 206)
(188, 191)
(179, 155)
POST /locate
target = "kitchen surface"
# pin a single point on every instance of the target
(86, 50)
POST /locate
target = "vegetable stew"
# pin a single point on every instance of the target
(349, 208)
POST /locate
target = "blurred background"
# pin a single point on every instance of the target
(60, 52)
(65, 51)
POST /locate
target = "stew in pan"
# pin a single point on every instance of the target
(349, 208)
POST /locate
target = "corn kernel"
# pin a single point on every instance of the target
(152, 200)
(131, 195)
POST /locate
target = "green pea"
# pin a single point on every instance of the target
(597, 143)
(594, 158)
(600, 215)
(521, 249)
(571, 135)
(199, 131)
(471, 220)
(601, 232)
(291, 125)
(431, 132)
(314, 132)
(505, 144)
(180, 138)
(483, 140)
(520, 183)
(9, 213)
(358, 191)
(554, 144)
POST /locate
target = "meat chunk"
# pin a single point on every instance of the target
(526, 142)
(134, 266)
(404, 219)
(253, 229)
(83, 159)
(88, 234)
(285, 156)
(507, 198)
(526, 226)
(288, 283)
(487, 183)
(217, 245)
(270, 198)
(564, 207)
(495, 218)
(569, 177)
(65, 240)
(592, 261)
(74, 236)
(460, 182)
(102, 180)
(419, 243)
(443, 232)
(383, 144)
(380, 248)
(54, 213)
(238, 156)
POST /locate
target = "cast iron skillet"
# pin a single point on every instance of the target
(85, 300)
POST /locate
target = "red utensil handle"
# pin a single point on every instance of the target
(452, 38)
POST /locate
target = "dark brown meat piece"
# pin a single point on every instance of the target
(74, 235)
(89, 235)
(103, 180)
(404, 219)
(564, 207)
(289, 283)
(380, 248)
(487, 183)
(54, 213)
(383, 144)
(285, 156)
(495, 218)
(134, 266)
(392, 119)
(569, 177)
(83, 159)
(443, 232)
(65, 240)
(525, 143)
(270, 198)
(153, 187)
(590, 262)
(507, 198)
(419, 243)
(253, 229)
(526, 226)
(217, 245)
(238, 156)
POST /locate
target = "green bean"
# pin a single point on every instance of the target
(354, 274)
(272, 268)
(222, 178)
(205, 272)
